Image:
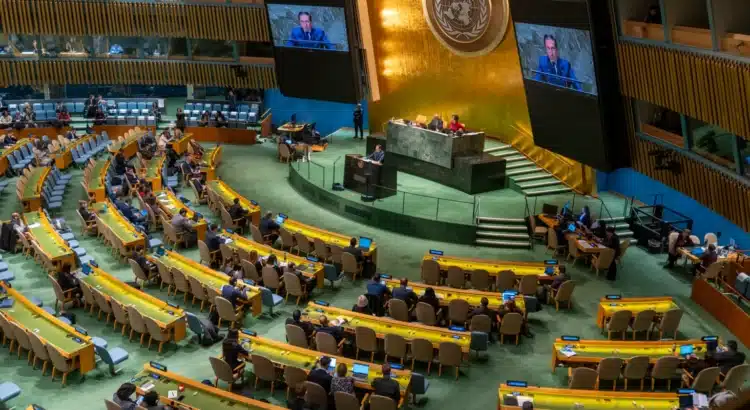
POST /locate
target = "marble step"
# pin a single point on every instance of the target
(503, 244)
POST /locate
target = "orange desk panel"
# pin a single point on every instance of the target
(224, 135)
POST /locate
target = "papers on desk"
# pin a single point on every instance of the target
(35, 225)
(524, 399)
(568, 352)
(148, 386)
(700, 400)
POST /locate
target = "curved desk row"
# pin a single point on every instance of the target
(94, 179)
(211, 160)
(152, 171)
(447, 294)
(226, 195)
(73, 345)
(55, 251)
(608, 306)
(63, 159)
(328, 237)
(495, 266)
(237, 136)
(30, 192)
(128, 143)
(168, 203)
(108, 217)
(550, 398)
(7, 152)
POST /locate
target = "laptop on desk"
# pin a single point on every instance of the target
(360, 371)
(364, 243)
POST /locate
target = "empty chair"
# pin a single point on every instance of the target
(120, 315)
(665, 369)
(527, 286)
(59, 363)
(293, 287)
(506, 280)
(316, 395)
(346, 401)
(619, 322)
(643, 322)
(426, 314)
(61, 297)
(603, 260)
(430, 272)
(296, 336)
(225, 373)
(458, 312)
(303, 244)
(609, 370)
(669, 323)
(269, 299)
(423, 351)
(263, 370)
(156, 333)
(40, 351)
(112, 357)
(366, 340)
(481, 323)
(350, 265)
(395, 346)
(181, 283)
(456, 277)
(378, 402)
(294, 376)
(227, 312)
(511, 326)
(22, 340)
(704, 381)
(480, 279)
(136, 323)
(563, 294)
(735, 378)
(449, 354)
(326, 343)
(271, 278)
(636, 369)
(398, 310)
(198, 291)
(582, 378)
(104, 306)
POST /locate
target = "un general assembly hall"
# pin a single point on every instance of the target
(374, 204)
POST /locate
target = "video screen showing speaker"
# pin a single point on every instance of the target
(303, 26)
(558, 56)
(315, 49)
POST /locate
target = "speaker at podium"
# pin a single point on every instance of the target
(369, 178)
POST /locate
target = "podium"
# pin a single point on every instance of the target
(368, 178)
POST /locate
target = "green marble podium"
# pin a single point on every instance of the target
(432, 146)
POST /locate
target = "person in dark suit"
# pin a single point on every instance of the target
(654, 15)
(561, 71)
(336, 331)
(232, 294)
(484, 309)
(612, 241)
(307, 36)
(296, 320)
(120, 163)
(385, 386)
(375, 288)
(404, 293)
(359, 122)
(729, 358)
(213, 240)
(320, 374)
(269, 227)
(232, 350)
(436, 124)
(585, 217)
(236, 211)
(68, 281)
(708, 258)
(354, 250)
(378, 155)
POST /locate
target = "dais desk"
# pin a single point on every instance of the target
(607, 307)
(236, 136)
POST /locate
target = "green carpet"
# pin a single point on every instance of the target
(255, 172)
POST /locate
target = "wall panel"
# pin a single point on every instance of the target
(39, 72)
(114, 18)
(708, 88)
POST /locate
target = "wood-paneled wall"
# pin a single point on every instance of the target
(712, 89)
(114, 18)
(38, 72)
(723, 194)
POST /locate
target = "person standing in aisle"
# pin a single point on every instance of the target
(358, 122)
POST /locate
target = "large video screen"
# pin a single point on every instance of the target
(314, 27)
(558, 56)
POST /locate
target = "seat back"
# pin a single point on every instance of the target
(506, 280)
(398, 310)
(605, 258)
(713, 270)
(456, 277)
(624, 245)
(565, 291)
(204, 252)
(287, 239)
(430, 272)
(292, 284)
(336, 252)
(511, 324)
(349, 263)
(619, 321)
(426, 314)
(316, 395)
(670, 321)
(255, 232)
(59, 294)
(21, 336)
(378, 402)
(458, 309)
(293, 376)
(527, 286)
(326, 343)
(321, 249)
(137, 270)
(58, 360)
(118, 310)
(101, 301)
(366, 339)
(481, 323)
(154, 330)
(263, 368)
(395, 346)
(7, 328)
(480, 279)
(249, 270)
(296, 336)
(195, 324)
(346, 401)
(583, 378)
(450, 354)
(222, 370)
(736, 377)
(225, 309)
(609, 368)
(303, 243)
(643, 320)
(665, 367)
(88, 295)
(180, 281)
(136, 320)
(710, 238)
(637, 367)
(110, 405)
(422, 350)
(270, 277)
(197, 289)
(705, 380)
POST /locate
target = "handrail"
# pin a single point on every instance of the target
(528, 214)
(265, 113)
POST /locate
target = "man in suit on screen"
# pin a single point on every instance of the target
(307, 36)
(559, 68)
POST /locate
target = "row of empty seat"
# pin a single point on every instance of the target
(89, 148)
(78, 107)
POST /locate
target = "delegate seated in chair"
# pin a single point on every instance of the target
(231, 293)
(236, 211)
(184, 226)
(232, 351)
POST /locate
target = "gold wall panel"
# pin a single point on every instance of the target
(418, 75)
(35, 72)
(711, 89)
(114, 18)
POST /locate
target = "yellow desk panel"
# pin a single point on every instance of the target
(330, 238)
(608, 307)
(50, 242)
(494, 266)
(227, 195)
(171, 205)
(4, 163)
(283, 354)
(125, 232)
(383, 326)
(591, 352)
(180, 145)
(211, 160)
(209, 277)
(94, 180)
(311, 268)
(566, 399)
(152, 172)
(446, 294)
(31, 196)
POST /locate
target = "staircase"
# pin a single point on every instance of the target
(622, 229)
(523, 174)
(502, 233)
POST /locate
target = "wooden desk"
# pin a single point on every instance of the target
(211, 160)
(168, 202)
(4, 162)
(94, 180)
(589, 247)
(55, 249)
(129, 146)
(51, 330)
(108, 215)
(115, 131)
(208, 277)
(687, 253)
(38, 132)
(446, 294)
(495, 266)
(639, 29)
(550, 398)
(236, 136)
(197, 396)
(330, 238)
(153, 171)
(692, 36)
(723, 308)
(551, 222)
(384, 325)
(312, 269)
(167, 317)
(226, 194)
(32, 192)
(591, 352)
(289, 127)
(63, 159)
(180, 145)
(282, 355)
(607, 308)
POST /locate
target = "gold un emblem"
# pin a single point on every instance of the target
(468, 27)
